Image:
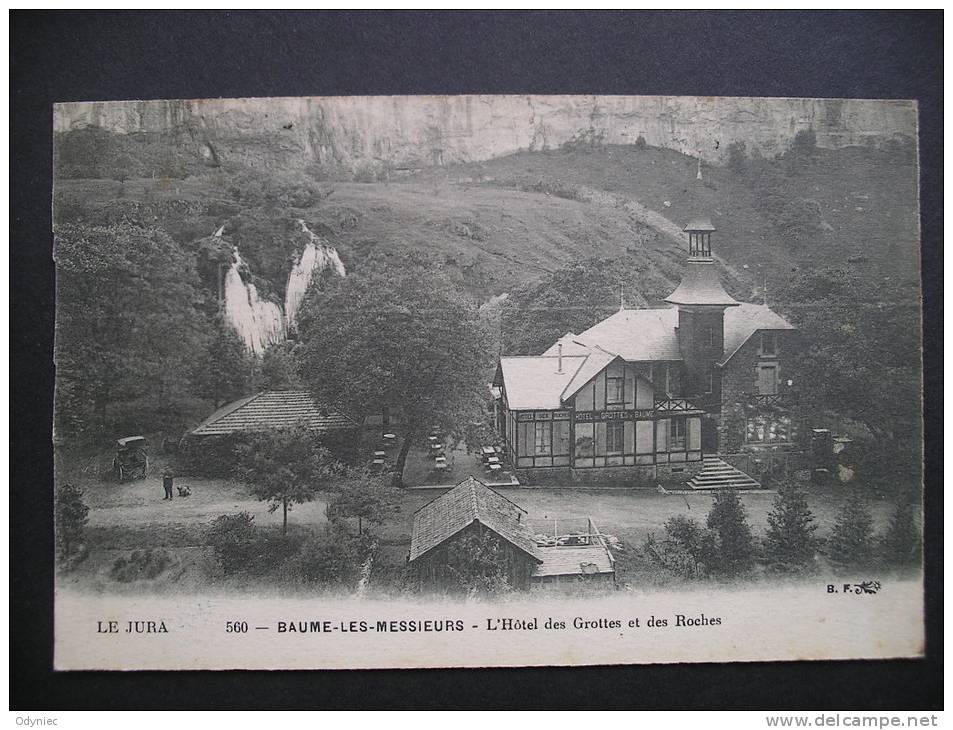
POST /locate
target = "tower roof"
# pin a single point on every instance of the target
(699, 224)
(701, 286)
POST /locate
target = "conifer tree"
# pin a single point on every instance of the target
(789, 543)
(851, 540)
(901, 544)
(729, 549)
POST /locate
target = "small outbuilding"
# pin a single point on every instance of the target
(471, 508)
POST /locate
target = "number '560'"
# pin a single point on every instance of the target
(236, 627)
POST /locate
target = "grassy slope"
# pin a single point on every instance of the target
(868, 198)
(479, 220)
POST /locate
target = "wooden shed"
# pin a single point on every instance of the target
(471, 508)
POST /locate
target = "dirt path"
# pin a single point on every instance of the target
(140, 503)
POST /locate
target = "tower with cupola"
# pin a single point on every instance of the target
(701, 300)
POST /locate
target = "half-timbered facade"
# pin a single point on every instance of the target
(644, 389)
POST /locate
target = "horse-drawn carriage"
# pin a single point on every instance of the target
(131, 461)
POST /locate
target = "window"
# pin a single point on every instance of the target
(676, 434)
(543, 445)
(615, 389)
(769, 344)
(585, 446)
(767, 379)
(766, 429)
(710, 382)
(711, 337)
(614, 435)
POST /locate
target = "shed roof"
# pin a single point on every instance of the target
(468, 502)
(579, 560)
(271, 409)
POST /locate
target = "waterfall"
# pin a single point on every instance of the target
(316, 257)
(258, 321)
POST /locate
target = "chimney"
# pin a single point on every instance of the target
(559, 350)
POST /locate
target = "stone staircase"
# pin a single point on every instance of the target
(718, 474)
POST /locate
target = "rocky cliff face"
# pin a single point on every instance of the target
(410, 132)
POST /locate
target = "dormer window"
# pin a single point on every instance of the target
(769, 344)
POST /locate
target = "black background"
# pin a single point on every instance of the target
(76, 56)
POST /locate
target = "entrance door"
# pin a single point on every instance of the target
(709, 435)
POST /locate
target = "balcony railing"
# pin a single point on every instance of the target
(676, 405)
(782, 400)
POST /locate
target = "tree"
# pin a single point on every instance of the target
(127, 319)
(728, 549)
(574, 298)
(232, 539)
(681, 550)
(403, 339)
(789, 543)
(365, 496)
(70, 517)
(850, 544)
(223, 373)
(285, 467)
(901, 544)
(278, 369)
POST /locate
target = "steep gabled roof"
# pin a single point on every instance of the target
(271, 409)
(598, 359)
(743, 321)
(468, 502)
(637, 335)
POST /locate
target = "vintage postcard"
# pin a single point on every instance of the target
(468, 381)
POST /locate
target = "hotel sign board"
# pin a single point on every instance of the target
(630, 415)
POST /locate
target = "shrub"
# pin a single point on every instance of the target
(332, 559)
(141, 564)
(210, 456)
(70, 517)
(805, 142)
(800, 218)
(640, 143)
(585, 140)
(737, 157)
(233, 540)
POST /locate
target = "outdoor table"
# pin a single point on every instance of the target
(441, 466)
(377, 462)
(390, 439)
(380, 454)
(493, 460)
(489, 450)
(441, 459)
(432, 439)
(436, 447)
(495, 467)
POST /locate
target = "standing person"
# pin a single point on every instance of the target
(167, 479)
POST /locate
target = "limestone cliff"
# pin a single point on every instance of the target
(415, 131)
